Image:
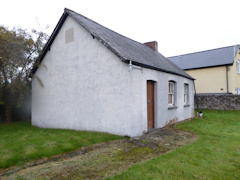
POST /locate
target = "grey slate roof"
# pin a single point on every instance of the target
(126, 49)
(210, 58)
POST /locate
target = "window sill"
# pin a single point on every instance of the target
(186, 105)
(172, 107)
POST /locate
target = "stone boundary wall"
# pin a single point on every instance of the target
(217, 101)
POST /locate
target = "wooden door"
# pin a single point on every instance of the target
(150, 104)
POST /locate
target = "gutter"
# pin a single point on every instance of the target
(229, 64)
(158, 69)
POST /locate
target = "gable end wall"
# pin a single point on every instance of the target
(86, 86)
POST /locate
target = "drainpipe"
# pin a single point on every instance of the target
(227, 78)
(130, 66)
(196, 98)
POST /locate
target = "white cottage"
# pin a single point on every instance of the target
(95, 79)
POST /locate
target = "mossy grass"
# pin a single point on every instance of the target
(20, 142)
(215, 154)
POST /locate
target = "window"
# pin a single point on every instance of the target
(238, 66)
(171, 92)
(185, 94)
(238, 91)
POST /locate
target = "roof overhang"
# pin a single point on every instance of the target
(208, 67)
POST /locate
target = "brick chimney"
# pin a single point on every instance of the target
(152, 44)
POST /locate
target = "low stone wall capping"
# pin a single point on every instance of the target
(217, 101)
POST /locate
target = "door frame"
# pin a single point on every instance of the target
(152, 106)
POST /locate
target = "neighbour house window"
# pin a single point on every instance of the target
(171, 93)
(238, 91)
(186, 94)
(238, 67)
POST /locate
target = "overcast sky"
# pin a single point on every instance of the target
(179, 26)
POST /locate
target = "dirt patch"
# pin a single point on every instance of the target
(104, 159)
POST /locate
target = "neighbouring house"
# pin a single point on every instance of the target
(89, 77)
(215, 70)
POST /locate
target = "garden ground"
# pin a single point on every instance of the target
(103, 159)
(203, 148)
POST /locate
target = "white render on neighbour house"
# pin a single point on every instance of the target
(88, 87)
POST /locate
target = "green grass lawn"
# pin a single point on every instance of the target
(215, 154)
(20, 142)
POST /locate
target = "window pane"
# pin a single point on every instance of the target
(171, 88)
(185, 93)
(185, 98)
(170, 99)
(171, 92)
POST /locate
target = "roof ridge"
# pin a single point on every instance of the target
(203, 51)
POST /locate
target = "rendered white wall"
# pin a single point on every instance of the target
(163, 114)
(87, 87)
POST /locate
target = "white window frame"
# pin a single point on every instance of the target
(171, 83)
(238, 66)
(186, 93)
